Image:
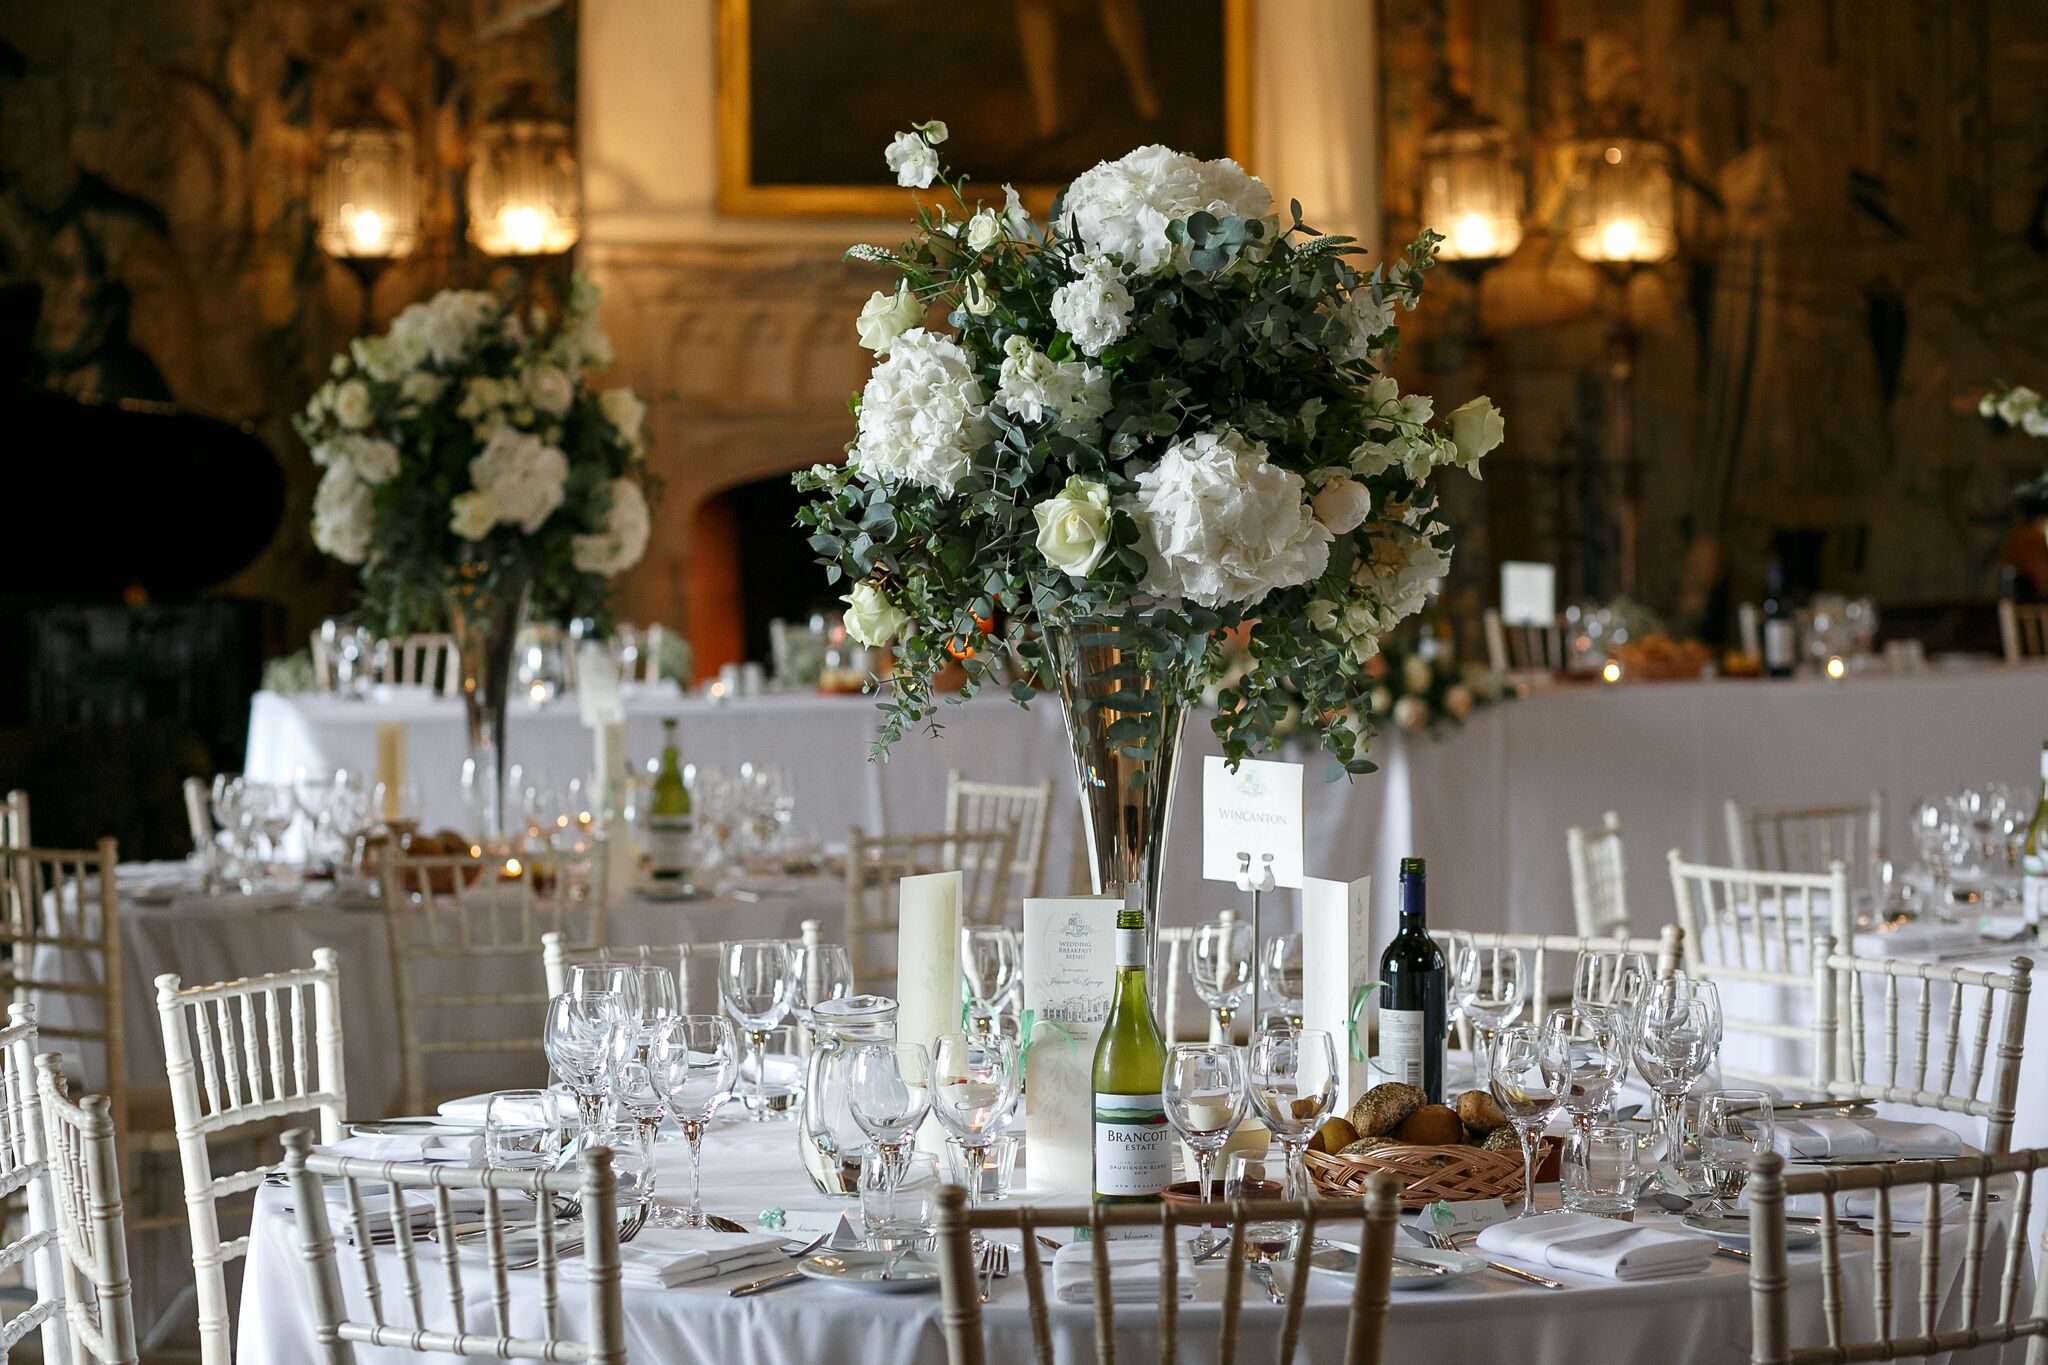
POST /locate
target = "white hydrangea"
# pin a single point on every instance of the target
(1219, 524)
(522, 474)
(1095, 308)
(923, 413)
(623, 538)
(342, 514)
(442, 329)
(1122, 207)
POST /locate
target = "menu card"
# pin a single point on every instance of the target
(1069, 974)
(1336, 965)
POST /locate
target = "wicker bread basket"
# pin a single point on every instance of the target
(1428, 1174)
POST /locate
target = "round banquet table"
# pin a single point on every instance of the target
(1487, 804)
(1693, 1320)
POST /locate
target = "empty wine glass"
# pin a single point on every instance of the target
(817, 971)
(1605, 981)
(1521, 1085)
(1280, 973)
(972, 1082)
(1292, 1077)
(988, 963)
(653, 999)
(1674, 1047)
(578, 1041)
(621, 979)
(1203, 1090)
(888, 1095)
(694, 1061)
(1735, 1125)
(1490, 988)
(754, 983)
(1587, 1054)
(1220, 965)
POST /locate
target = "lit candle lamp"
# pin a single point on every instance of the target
(524, 194)
(367, 201)
(1837, 668)
(1611, 671)
(1621, 210)
(1471, 187)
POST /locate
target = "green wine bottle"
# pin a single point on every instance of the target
(1412, 994)
(2034, 869)
(671, 820)
(1133, 1145)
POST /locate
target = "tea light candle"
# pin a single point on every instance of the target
(1837, 669)
(1610, 672)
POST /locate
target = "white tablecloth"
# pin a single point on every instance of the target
(1685, 1321)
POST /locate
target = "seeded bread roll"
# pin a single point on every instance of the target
(1433, 1125)
(1478, 1111)
(1502, 1140)
(1368, 1144)
(1384, 1108)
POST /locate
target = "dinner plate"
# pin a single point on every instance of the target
(430, 1125)
(1734, 1232)
(863, 1270)
(1339, 1258)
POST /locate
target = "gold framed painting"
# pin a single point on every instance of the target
(1033, 92)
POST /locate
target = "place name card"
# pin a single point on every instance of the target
(1069, 973)
(1467, 1215)
(1337, 970)
(1255, 810)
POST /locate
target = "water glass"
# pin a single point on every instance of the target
(1490, 988)
(1280, 973)
(1220, 966)
(1600, 1171)
(1523, 1087)
(632, 1166)
(1734, 1126)
(817, 972)
(1253, 1176)
(1675, 1045)
(1204, 1094)
(578, 1040)
(694, 1060)
(899, 1201)
(754, 983)
(1609, 981)
(1292, 1078)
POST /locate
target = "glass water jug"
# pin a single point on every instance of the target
(831, 1143)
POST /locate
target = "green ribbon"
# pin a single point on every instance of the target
(1027, 1034)
(1358, 998)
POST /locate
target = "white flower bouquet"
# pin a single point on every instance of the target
(465, 438)
(1161, 404)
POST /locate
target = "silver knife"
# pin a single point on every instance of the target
(762, 1286)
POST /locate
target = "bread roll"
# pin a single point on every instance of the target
(1433, 1125)
(1384, 1108)
(1478, 1111)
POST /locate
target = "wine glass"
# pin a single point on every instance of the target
(1280, 972)
(817, 971)
(694, 1061)
(653, 1000)
(972, 1082)
(1203, 1089)
(1521, 1085)
(1220, 965)
(1735, 1125)
(1292, 1076)
(1587, 1055)
(988, 962)
(578, 1041)
(1490, 988)
(1676, 1043)
(886, 1091)
(1605, 981)
(621, 979)
(754, 983)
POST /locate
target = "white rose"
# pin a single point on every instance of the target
(884, 317)
(472, 514)
(976, 298)
(915, 163)
(983, 231)
(342, 514)
(622, 408)
(1364, 646)
(923, 414)
(352, 405)
(1095, 309)
(871, 618)
(524, 476)
(1342, 505)
(1458, 700)
(1411, 713)
(1219, 524)
(550, 390)
(422, 387)
(1073, 527)
(618, 545)
(1475, 428)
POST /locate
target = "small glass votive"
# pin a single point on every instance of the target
(905, 1209)
(998, 1165)
(1599, 1172)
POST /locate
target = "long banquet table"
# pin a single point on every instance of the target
(1690, 1320)
(1487, 804)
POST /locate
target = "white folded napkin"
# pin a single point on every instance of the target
(1818, 1139)
(1133, 1272)
(473, 1108)
(1598, 1246)
(662, 1258)
(1909, 1205)
(435, 1147)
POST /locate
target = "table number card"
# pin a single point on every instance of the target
(1069, 973)
(1336, 962)
(1255, 810)
(1528, 593)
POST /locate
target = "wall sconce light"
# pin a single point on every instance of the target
(368, 202)
(524, 195)
(1471, 188)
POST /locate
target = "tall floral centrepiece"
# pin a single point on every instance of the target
(473, 475)
(1157, 416)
